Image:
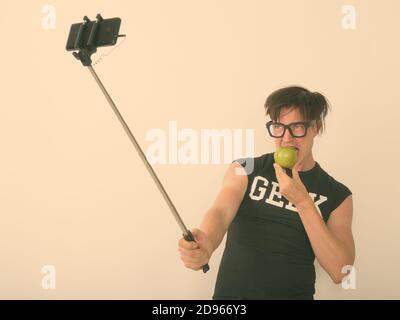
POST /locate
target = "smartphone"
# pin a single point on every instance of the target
(106, 34)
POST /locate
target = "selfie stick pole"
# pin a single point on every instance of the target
(84, 56)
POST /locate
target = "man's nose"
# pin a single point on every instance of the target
(287, 137)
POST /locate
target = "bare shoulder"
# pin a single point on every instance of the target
(343, 214)
(340, 222)
(231, 194)
(235, 177)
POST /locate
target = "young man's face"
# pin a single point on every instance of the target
(304, 144)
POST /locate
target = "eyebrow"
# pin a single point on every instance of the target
(294, 122)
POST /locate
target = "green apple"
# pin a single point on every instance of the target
(286, 157)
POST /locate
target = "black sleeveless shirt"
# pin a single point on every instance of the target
(268, 254)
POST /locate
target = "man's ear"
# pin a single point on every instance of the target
(318, 127)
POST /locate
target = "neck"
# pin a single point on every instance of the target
(307, 164)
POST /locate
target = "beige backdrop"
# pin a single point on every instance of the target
(75, 195)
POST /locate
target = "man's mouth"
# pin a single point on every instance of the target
(297, 149)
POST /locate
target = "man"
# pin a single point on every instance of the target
(278, 220)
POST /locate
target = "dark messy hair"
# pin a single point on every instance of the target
(312, 105)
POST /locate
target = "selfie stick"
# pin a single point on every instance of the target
(84, 55)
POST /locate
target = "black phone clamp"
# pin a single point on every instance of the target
(86, 39)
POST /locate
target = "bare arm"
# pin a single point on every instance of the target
(333, 243)
(218, 218)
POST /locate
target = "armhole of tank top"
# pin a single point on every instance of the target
(250, 165)
(251, 168)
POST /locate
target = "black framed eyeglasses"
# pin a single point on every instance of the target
(296, 129)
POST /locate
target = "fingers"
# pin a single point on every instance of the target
(193, 266)
(198, 235)
(194, 258)
(279, 171)
(188, 245)
(192, 254)
(295, 172)
(278, 168)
